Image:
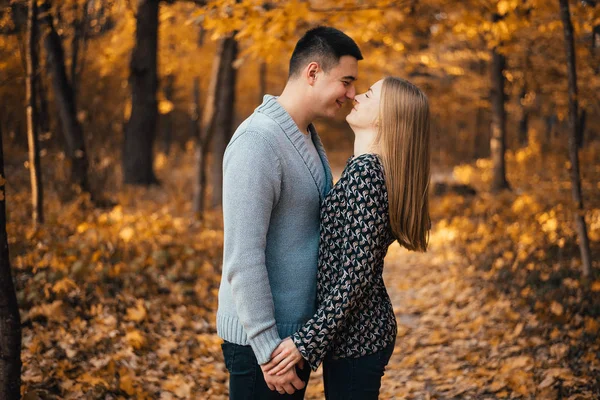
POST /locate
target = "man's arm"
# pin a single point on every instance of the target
(251, 188)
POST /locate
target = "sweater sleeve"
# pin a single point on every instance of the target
(363, 195)
(251, 188)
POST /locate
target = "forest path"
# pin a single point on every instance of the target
(457, 336)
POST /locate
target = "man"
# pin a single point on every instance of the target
(275, 177)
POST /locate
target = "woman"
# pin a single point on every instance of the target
(381, 196)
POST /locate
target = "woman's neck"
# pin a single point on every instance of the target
(364, 142)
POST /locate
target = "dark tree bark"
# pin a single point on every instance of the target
(78, 41)
(35, 168)
(498, 126)
(550, 121)
(579, 211)
(224, 118)
(481, 140)
(195, 110)
(206, 130)
(581, 128)
(43, 114)
(524, 118)
(10, 321)
(596, 45)
(140, 131)
(63, 93)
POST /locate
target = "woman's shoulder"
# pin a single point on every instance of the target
(366, 165)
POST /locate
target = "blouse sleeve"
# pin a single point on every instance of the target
(363, 223)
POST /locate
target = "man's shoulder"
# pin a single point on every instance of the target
(258, 124)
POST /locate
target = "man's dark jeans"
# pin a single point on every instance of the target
(246, 380)
(355, 378)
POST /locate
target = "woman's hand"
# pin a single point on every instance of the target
(285, 356)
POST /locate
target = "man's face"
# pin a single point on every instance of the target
(334, 87)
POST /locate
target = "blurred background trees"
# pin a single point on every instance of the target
(97, 96)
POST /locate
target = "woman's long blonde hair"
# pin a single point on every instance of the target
(403, 138)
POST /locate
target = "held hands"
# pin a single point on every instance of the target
(279, 373)
(284, 357)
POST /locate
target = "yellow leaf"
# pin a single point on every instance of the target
(2, 181)
(177, 385)
(165, 106)
(126, 381)
(556, 308)
(64, 286)
(137, 313)
(135, 339)
(591, 326)
(92, 380)
(559, 350)
(82, 227)
(127, 233)
(596, 286)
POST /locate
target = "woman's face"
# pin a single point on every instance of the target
(365, 112)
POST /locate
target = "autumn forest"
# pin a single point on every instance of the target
(114, 118)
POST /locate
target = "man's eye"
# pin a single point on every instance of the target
(346, 83)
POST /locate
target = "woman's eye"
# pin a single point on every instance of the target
(367, 95)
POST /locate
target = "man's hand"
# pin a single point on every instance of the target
(284, 357)
(286, 383)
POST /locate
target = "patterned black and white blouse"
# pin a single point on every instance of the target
(354, 317)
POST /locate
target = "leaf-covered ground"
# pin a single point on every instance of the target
(119, 303)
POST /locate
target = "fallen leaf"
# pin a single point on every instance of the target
(556, 308)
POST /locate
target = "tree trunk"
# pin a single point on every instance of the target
(43, 114)
(524, 120)
(140, 131)
(167, 118)
(10, 321)
(550, 121)
(481, 141)
(595, 46)
(498, 126)
(581, 128)
(206, 131)
(35, 168)
(224, 118)
(195, 110)
(63, 93)
(78, 40)
(584, 244)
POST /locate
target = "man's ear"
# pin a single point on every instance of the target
(311, 72)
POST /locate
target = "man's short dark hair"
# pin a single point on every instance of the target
(324, 45)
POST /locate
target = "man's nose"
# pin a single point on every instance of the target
(351, 92)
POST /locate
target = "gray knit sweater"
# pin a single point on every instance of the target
(272, 190)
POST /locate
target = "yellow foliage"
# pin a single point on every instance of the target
(64, 286)
(137, 313)
(136, 339)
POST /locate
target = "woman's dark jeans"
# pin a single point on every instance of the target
(246, 380)
(355, 378)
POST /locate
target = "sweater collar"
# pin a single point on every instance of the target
(271, 108)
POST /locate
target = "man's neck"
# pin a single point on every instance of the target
(292, 101)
